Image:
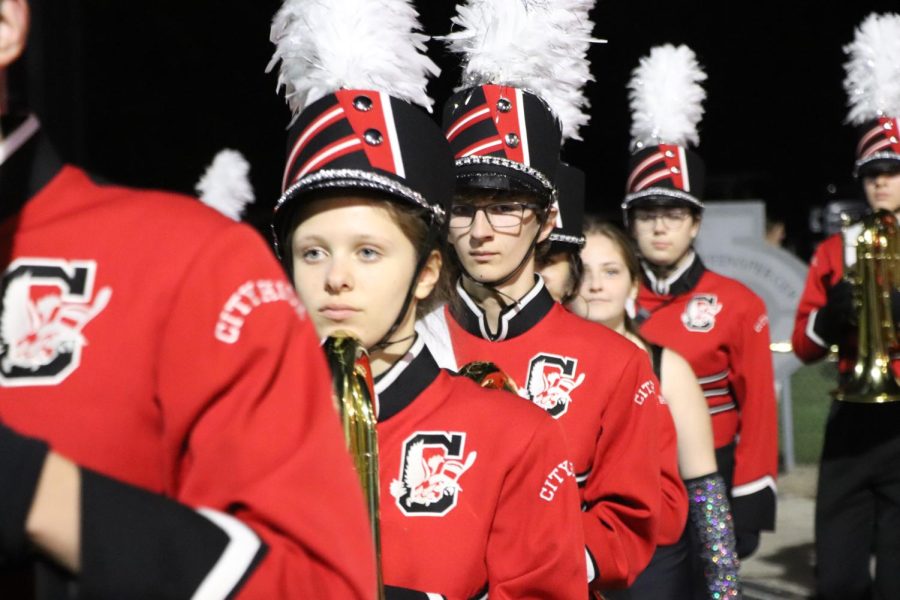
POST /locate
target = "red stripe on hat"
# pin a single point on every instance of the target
(331, 152)
(507, 123)
(326, 119)
(642, 166)
(476, 115)
(482, 147)
(673, 164)
(379, 155)
(866, 139)
(651, 179)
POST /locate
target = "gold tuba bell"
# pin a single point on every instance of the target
(354, 396)
(875, 275)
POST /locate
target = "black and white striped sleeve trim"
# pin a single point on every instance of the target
(235, 563)
(135, 543)
(593, 571)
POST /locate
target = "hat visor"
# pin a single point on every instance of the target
(879, 166)
(498, 177)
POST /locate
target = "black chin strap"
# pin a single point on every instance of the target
(434, 230)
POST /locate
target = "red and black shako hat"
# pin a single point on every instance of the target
(666, 105)
(569, 231)
(356, 125)
(873, 89)
(524, 69)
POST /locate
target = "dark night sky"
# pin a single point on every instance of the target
(146, 92)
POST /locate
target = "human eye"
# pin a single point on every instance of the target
(505, 208)
(312, 255)
(643, 216)
(462, 210)
(369, 253)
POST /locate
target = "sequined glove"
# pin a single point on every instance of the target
(710, 516)
(21, 462)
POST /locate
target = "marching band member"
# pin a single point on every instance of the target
(559, 262)
(563, 275)
(164, 405)
(611, 278)
(717, 324)
(478, 497)
(858, 498)
(505, 131)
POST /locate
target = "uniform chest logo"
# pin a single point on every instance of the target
(433, 463)
(46, 305)
(551, 380)
(700, 312)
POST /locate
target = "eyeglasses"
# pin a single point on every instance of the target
(500, 215)
(670, 217)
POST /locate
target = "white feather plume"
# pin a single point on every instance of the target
(873, 71)
(327, 45)
(226, 184)
(666, 97)
(537, 45)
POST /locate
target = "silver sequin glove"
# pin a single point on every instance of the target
(710, 516)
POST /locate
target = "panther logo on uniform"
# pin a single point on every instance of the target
(700, 312)
(46, 305)
(433, 463)
(551, 381)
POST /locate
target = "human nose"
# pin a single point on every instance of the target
(481, 227)
(338, 277)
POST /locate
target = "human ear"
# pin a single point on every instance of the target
(14, 18)
(429, 275)
(549, 223)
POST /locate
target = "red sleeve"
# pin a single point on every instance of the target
(250, 429)
(674, 504)
(756, 452)
(807, 345)
(536, 545)
(622, 492)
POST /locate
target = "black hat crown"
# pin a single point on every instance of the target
(368, 140)
(569, 230)
(503, 138)
(665, 173)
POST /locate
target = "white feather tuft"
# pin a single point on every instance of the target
(666, 97)
(537, 45)
(226, 184)
(327, 45)
(873, 71)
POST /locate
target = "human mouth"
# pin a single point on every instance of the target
(338, 312)
(482, 257)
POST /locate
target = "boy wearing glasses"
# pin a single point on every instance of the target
(716, 323)
(596, 383)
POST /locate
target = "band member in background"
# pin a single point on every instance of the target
(610, 283)
(478, 497)
(858, 498)
(563, 274)
(717, 324)
(559, 263)
(167, 429)
(506, 141)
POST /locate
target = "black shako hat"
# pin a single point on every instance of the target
(665, 174)
(872, 84)
(503, 138)
(366, 140)
(569, 231)
(878, 150)
(666, 101)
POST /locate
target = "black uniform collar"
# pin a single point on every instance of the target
(680, 282)
(27, 163)
(397, 387)
(515, 319)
